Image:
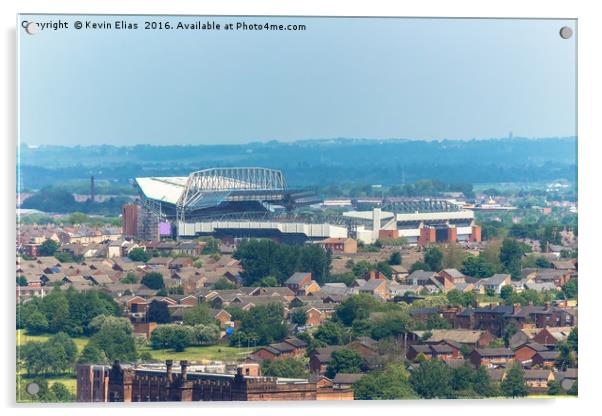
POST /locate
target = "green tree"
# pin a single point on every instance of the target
(453, 256)
(36, 323)
(92, 354)
(200, 314)
(346, 360)
(206, 334)
(153, 280)
(182, 337)
(331, 333)
(432, 379)
(433, 257)
(506, 292)
(390, 383)
(211, 245)
(514, 384)
(223, 284)
(61, 393)
(61, 352)
(511, 254)
(356, 307)
(129, 278)
(553, 387)
(158, 312)
(570, 289)
(48, 248)
(298, 317)
(395, 258)
(115, 339)
(286, 367)
(565, 358)
(21, 281)
(314, 259)
(34, 358)
(572, 340)
(262, 325)
(462, 378)
(139, 254)
(435, 321)
(509, 332)
(543, 263)
(268, 281)
(477, 266)
(483, 384)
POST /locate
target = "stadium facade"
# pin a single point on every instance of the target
(247, 202)
(228, 202)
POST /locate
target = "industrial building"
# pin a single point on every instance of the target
(127, 383)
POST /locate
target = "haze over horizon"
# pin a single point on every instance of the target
(325, 141)
(435, 79)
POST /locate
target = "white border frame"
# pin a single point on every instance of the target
(589, 196)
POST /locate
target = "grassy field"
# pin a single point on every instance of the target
(23, 338)
(207, 353)
(200, 354)
(546, 396)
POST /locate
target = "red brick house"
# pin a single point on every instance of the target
(223, 317)
(491, 357)
(320, 357)
(339, 245)
(550, 336)
(365, 346)
(297, 281)
(545, 358)
(315, 317)
(289, 348)
(525, 352)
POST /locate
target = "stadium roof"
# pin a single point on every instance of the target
(165, 189)
(210, 187)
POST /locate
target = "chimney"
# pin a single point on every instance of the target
(515, 308)
(92, 190)
(169, 366)
(184, 369)
(547, 306)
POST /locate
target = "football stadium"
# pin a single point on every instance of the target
(254, 202)
(238, 202)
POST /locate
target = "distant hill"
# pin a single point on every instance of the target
(315, 162)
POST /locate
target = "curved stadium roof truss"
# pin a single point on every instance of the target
(209, 187)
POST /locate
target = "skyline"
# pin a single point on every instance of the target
(430, 79)
(302, 141)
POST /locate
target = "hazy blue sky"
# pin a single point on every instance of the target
(342, 77)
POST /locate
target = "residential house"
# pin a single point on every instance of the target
(399, 273)
(346, 380)
(375, 287)
(472, 338)
(320, 358)
(491, 357)
(297, 281)
(493, 283)
(525, 352)
(339, 245)
(546, 358)
(550, 336)
(537, 380)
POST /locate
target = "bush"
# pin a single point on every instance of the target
(287, 367)
(139, 254)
